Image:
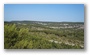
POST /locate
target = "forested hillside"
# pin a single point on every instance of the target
(43, 35)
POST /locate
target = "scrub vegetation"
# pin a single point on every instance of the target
(43, 35)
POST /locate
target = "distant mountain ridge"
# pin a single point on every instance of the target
(25, 21)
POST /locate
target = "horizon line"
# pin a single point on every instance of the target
(43, 21)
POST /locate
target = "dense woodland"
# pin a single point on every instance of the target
(43, 35)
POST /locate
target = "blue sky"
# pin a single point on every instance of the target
(44, 12)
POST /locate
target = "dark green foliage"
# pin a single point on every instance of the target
(10, 35)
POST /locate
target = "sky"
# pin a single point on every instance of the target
(44, 12)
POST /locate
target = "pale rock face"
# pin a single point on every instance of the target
(51, 40)
(56, 41)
